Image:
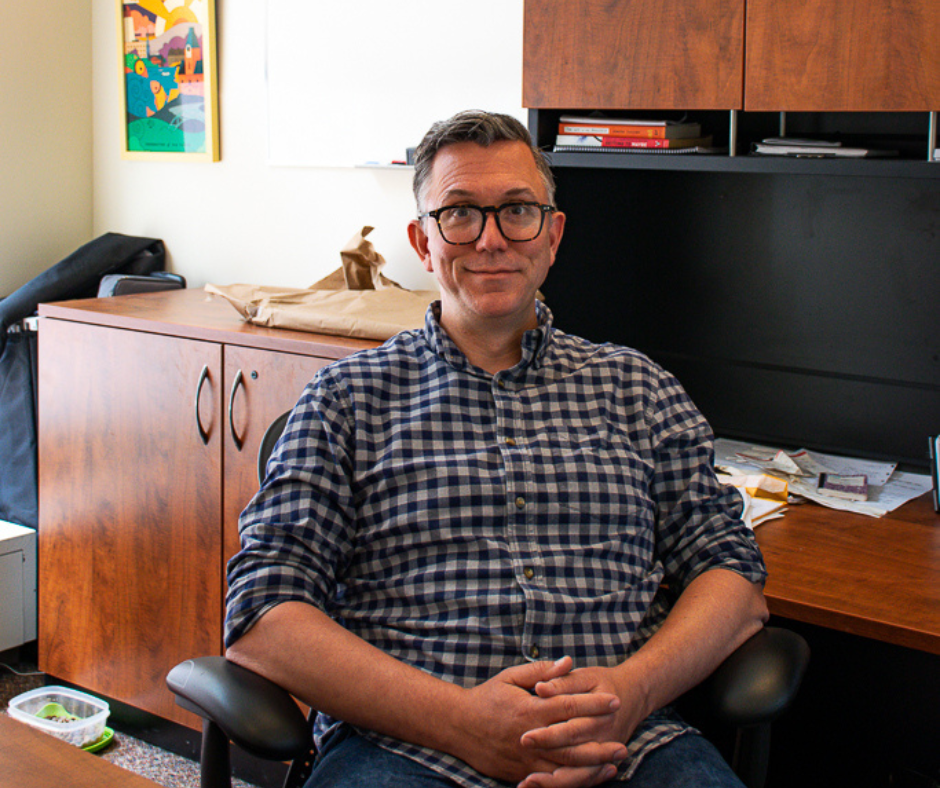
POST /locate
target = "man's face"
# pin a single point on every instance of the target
(492, 279)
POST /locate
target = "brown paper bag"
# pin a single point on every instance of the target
(356, 300)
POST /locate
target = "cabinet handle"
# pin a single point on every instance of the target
(203, 376)
(239, 380)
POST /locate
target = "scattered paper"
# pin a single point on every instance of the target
(888, 487)
(764, 496)
(814, 463)
(770, 459)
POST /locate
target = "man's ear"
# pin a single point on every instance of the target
(419, 241)
(555, 230)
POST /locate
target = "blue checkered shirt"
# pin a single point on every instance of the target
(464, 522)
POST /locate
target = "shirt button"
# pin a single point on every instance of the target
(520, 502)
(510, 442)
(529, 572)
(501, 384)
(534, 652)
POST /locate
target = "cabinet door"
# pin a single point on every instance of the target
(843, 55)
(613, 54)
(260, 385)
(130, 509)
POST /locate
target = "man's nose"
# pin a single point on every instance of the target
(492, 236)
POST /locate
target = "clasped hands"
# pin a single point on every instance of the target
(546, 725)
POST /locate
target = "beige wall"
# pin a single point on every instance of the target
(45, 136)
(240, 220)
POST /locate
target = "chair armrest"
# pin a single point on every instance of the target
(759, 681)
(255, 713)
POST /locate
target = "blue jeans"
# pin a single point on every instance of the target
(349, 761)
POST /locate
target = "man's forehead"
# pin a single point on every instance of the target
(510, 192)
(465, 169)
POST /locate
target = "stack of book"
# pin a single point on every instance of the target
(623, 135)
(814, 149)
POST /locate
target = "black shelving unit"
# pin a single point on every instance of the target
(909, 133)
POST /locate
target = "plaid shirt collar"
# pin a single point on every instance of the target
(535, 342)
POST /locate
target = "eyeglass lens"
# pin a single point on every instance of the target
(464, 223)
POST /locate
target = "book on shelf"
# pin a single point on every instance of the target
(849, 488)
(606, 141)
(639, 151)
(622, 127)
(815, 149)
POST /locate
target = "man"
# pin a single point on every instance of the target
(496, 552)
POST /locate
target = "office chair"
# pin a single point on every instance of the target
(271, 434)
(746, 693)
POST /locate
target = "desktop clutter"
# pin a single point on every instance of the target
(356, 300)
(770, 479)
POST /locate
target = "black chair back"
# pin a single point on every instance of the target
(270, 437)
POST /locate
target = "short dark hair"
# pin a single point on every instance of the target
(483, 128)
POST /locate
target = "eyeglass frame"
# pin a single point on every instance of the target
(493, 209)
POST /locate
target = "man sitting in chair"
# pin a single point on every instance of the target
(489, 552)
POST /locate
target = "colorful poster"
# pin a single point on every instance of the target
(168, 64)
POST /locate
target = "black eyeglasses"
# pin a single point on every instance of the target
(463, 224)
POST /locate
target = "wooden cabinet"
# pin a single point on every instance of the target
(801, 55)
(147, 454)
(597, 54)
(843, 55)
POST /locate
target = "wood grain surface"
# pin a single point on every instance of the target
(30, 758)
(875, 577)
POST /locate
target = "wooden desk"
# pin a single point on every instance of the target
(32, 759)
(878, 578)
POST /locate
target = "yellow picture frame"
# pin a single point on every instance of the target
(168, 70)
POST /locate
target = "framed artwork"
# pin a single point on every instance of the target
(168, 79)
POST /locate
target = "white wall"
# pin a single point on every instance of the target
(45, 136)
(241, 220)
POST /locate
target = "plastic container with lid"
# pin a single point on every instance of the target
(67, 714)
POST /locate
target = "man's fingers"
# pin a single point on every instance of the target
(530, 674)
(571, 778)
(571, 683)
(571, 707)
(582, 730)
(587, 755)
(574, 746)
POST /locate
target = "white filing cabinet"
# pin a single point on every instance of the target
(17, 585)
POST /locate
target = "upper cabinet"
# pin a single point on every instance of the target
(762, 55)
(612, 54)
(843, 55)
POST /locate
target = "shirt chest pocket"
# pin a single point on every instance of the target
(598, 477)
